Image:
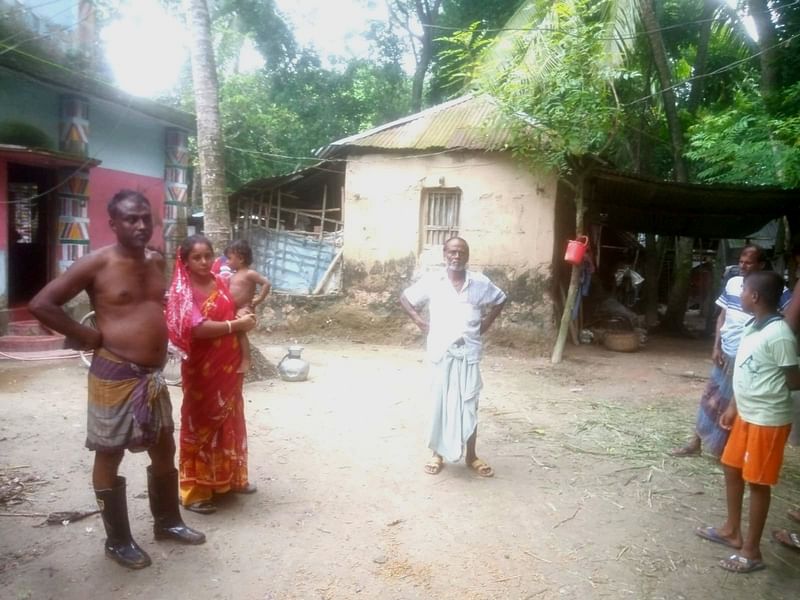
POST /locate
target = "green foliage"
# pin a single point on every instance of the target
(568, 104)
(18, 133)
(468, 25)
(577, 75)
(273, 122)
(457, 59)
(275, 118)
(262, 22)
(745, 144)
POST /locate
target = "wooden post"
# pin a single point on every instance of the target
(278, 233)
(574, 280)
(270, 273)
(321, 232)
(322, 215)
(341, 206)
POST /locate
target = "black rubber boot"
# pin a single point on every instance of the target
(119, 544)
(168, 524)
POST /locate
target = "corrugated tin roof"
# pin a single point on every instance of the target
(276, 181)
(473, 122)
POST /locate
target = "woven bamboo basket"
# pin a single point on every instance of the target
(621, 341)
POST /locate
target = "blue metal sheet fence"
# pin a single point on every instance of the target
(294, 263)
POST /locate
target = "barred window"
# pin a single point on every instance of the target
(440, 216)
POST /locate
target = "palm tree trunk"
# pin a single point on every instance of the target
(701, 60)
(652, 270)
(767, 39)
(653, 28)
(210, 144)
(679, 294)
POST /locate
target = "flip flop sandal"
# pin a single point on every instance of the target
(787, 538)
(434, 466)
(736, 563)
(712, 535)
(481, 468)
(204, 507)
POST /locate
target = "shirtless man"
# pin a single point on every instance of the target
(129, 406)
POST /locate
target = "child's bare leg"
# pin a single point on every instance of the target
(734, 494)
(760, 496)
(244, 343)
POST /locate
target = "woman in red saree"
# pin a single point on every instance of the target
(202, 322)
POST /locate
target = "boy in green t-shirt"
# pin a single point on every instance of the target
(759, 418)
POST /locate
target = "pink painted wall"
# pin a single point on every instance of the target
(103, 184)
(3, 206)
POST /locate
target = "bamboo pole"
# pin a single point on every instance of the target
(341, 204)
(304, 212)
(321, 231)
(269, 273)
(322, 216)
(278, 213)
(282, 264)
(574, 280)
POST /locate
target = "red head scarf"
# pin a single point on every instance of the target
(179, 308)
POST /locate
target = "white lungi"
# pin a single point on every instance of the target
(456, 389)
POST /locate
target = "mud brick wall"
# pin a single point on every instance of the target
(369, 309)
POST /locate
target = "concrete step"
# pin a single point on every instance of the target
(27, 327)
(31, 343)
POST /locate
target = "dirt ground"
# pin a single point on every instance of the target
(585, 502)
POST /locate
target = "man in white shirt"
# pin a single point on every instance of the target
(457, 299)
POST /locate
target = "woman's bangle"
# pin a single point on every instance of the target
(230, 329)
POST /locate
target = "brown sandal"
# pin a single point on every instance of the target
(434, 465)
(481, 468)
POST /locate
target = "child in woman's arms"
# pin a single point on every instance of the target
(243, 285)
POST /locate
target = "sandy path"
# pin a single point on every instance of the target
(345, 511)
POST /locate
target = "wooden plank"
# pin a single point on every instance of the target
(321, 232)
(313, 216)
(327, 275)
(278, 213)
(322, 217)
(342, 204)
(267, 262)
(315, 210)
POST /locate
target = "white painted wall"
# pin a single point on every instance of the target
(126, 140)
(507, 212)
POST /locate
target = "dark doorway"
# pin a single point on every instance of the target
(30, 223)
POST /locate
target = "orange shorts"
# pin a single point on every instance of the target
(757, 450)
